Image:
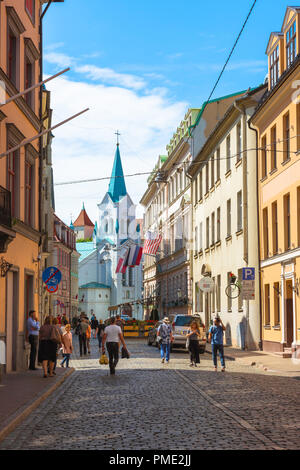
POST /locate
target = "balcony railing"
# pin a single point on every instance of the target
(5, 207)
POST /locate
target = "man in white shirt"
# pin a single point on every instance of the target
(112, 336)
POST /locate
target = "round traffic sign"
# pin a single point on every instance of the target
(52, 289)
(207, 284)
(51, 276)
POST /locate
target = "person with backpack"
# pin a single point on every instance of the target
(166, 335)
(81, 330)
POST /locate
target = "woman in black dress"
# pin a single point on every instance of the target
(47, 347)
(193, 336)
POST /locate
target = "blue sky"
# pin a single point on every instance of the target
(148, 61)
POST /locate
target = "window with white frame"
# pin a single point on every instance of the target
(239, 211)
(228, 154)
(291, 46)
(274, 66)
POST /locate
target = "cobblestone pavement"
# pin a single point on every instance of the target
(149, 405)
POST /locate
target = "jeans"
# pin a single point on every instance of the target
(33, 340)
(66, 359)
(113, 355)
(99, 341)
(165, 351)
(214, 349)
(82, 344)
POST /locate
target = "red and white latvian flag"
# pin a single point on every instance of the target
(122, 260)
(152, 242)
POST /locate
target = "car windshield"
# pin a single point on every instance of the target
(183, 321)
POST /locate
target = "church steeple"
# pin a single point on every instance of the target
(117, 187)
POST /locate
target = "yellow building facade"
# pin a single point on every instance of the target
(277, 121)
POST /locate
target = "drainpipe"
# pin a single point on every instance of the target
(258, 229)
(245, 208)
(191, 252)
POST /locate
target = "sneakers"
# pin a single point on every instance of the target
(191, 364)
(163, 360)
(223, 369)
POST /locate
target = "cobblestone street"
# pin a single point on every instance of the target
(150, 405)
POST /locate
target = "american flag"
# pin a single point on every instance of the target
(152, 242)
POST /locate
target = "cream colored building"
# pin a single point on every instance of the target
(224, 225)
(167, 202)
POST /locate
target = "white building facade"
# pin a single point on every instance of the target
(224, 198)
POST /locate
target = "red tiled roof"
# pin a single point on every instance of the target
(83, 220)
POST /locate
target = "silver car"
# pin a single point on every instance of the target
(180, 327)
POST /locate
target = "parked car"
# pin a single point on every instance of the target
(152, 334)
(180, 326)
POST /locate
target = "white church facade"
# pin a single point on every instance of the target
(102, 291)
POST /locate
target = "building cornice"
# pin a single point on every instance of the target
(223, 126)
(282, 258)
(27, 231)
(20, 102)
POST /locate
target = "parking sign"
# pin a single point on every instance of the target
(248, 274)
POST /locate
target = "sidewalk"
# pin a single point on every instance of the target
(22, 392)
(269, 362)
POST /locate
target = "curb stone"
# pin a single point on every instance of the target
(13, 421)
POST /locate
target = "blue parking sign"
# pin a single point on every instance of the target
(248, 274)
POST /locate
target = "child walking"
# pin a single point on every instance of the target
(67, 345)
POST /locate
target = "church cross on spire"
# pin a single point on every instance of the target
(117, 134)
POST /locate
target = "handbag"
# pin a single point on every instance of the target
(187, 344)
(124, 353)
(55, 335)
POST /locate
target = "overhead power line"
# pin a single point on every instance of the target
(229, 57)
(181, 165)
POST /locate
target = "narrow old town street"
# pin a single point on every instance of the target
(150, 405)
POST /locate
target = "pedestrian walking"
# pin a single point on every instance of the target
(67, 346)
(166, 335)
(193, 336)
(100, 332)
(120, 322)
(48, 340)
(58, 346)
(112, 336)
(94, 326)
(81, 329)
(33, 327)
(88, 337)
(216, 339)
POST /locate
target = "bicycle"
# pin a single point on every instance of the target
(233, 290)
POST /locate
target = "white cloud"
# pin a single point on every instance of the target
(60, 59)
(85, 147)
(109, 76)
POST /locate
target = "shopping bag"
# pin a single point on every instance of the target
(103, 359)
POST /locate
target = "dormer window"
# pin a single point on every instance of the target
(291, 45)
(274, 66)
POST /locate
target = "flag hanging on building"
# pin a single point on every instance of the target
(152, 242)
(121, 260)
(135, 256)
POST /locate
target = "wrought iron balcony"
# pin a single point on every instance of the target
(5, 207)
